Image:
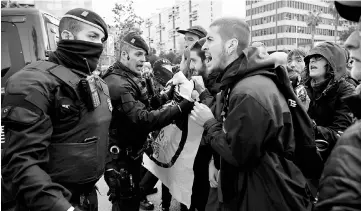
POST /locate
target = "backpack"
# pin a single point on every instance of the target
(306, 156)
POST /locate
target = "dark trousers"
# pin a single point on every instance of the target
(147, 182)
(200, 189)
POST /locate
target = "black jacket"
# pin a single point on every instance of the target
(254, 139)
(340, 185)
(47, 128)
(329, 111)
(131, 119)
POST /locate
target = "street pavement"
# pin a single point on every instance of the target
(105, 205)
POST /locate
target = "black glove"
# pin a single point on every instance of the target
(112, 195)
(169, 94)
(186, 106)
(112, 181)
(155, 102)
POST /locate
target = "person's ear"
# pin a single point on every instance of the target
(67, 35)
(231, 46)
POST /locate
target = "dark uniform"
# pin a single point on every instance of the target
(131, 123)
(56, 124)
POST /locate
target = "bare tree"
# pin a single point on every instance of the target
(313, 20)
(125, 21)
(336, 17)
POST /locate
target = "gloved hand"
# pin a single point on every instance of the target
(168, 94)
(112, 193)
(113, 184)
(186, 106)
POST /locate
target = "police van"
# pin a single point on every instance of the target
(27, 35)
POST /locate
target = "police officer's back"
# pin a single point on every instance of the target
(56, 116)
(132, 118)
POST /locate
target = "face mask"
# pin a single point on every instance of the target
(79, 55)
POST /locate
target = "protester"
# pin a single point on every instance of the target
(132, 121)
(295, 68)
(255, 139)
(326, 86)
(193, 34)
(295, 60)
(51, 121)
(340, 184)
(200, 168)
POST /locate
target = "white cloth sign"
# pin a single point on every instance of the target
(179, 178)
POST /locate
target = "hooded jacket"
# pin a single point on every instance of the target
(258, 130)
(340, 185)
(328, 110)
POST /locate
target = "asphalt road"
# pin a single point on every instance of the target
(105, 205)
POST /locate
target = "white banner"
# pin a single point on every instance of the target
(179, 178)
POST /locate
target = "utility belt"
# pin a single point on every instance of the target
(129, 153)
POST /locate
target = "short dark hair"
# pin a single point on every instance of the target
(197, 47)
(296, 52)
(70, 24)
(233, 27)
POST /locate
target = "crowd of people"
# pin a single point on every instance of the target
(282, 131)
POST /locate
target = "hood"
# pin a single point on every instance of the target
(335, 56)
(250, 62)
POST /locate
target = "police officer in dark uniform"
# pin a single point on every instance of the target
(132, 121)
(56, 115)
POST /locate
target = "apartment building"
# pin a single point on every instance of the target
(160, 29)
(282, 25)
(58, 7)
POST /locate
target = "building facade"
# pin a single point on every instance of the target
(282, 24)
(160, 30)
(58, 7)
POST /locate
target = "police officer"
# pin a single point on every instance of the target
(132, 121)
(56, 116)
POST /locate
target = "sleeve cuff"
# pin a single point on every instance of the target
(208, 124)
(204, 94)
(61, 205)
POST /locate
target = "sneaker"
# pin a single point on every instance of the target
(146, 205)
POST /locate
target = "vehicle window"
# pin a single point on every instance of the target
(52, 29)
(53, 35)
(5, 56)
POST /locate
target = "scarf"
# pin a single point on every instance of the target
(319, 87)
(77, 54)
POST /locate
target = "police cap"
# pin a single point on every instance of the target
(136, 41)
(88, 17)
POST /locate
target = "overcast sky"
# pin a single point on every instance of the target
(144, 8)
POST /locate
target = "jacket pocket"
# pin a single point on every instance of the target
(74, 162)
(67, 112)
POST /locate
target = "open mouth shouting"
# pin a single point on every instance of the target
(208, 58)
